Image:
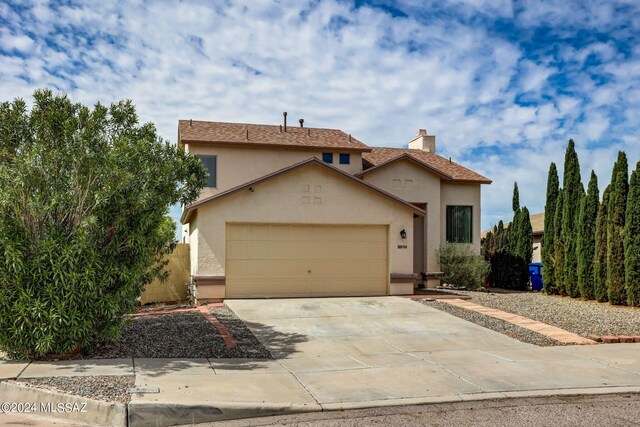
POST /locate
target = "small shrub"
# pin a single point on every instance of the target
(462, 266)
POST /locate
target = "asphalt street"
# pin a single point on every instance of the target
(614, 410)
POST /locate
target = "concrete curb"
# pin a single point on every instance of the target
(63, 407)
(342, 406)
(167, 414)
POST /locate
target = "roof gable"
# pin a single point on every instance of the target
(217, 133)
(445, 168)
(189, 211)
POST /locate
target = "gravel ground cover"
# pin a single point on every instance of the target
(506, 328)
(181, 335)
(108, 388)
(584, 318)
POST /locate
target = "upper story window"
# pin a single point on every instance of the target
(211, 165)
(345, 159)
(459, 224)
(327, 157)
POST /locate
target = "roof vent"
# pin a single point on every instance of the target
(190, 122)
(285, 120)
(301, 122)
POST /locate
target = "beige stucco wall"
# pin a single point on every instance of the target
(459, 194)
(309, 195)
(537, 249)
(238, 165)
(415, 185)
(193, 239)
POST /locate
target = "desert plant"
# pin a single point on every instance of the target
(462, 266)
(83, 198)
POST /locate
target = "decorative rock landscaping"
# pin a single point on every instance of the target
(588, 319)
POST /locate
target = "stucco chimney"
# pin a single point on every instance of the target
(424, 142)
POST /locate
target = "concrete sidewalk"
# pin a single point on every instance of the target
(345, 353)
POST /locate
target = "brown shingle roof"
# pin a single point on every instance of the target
(193, 131)
(444, 167)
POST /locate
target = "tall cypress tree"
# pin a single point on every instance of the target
(587, 238)
(547, 238)
(558, 253)
(615, 231)
(632, 240)
(600, 255)
(572, 188)
(524, 246)
(515, 202)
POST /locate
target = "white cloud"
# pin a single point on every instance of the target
(359, 69)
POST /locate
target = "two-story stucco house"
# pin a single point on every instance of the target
(296, 211)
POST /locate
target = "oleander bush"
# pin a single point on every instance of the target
(84, 194)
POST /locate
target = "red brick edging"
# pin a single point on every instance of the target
(224, 332)
(228, 339)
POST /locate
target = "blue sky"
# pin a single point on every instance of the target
(502, 84)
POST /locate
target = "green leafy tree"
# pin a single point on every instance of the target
(632, 240)
(615, 231)
(83, 197)
(600, 255)
(547, 250)
(558, 254)
(586, 244)
(573, 191)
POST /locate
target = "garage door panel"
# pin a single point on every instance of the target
(290, 287)
(346, 287)
(281, 260)
(236, 249)
(279, 270)
(248, 268)
(289, 250)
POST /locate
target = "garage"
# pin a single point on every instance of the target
(302, 260)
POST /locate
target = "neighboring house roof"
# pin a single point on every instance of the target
(537, 224)
(188, 212)
(220, 133)
(448, 170)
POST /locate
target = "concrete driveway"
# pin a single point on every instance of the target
(350, 350)
(343, 353)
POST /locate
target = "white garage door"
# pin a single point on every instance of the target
(282, 260)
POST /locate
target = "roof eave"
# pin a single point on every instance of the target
(409, 157)
(183, 142)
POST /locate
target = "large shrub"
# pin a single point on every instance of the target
(83, 195)
(462, 266)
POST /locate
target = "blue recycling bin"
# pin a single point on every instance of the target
(535, 273)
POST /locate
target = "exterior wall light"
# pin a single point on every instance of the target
(251, 189)
(403, 234)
